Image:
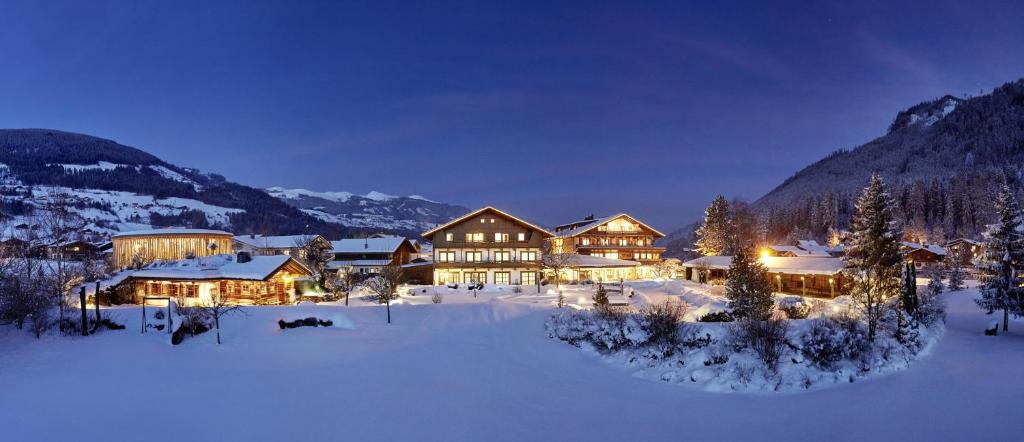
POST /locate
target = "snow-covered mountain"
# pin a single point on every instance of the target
(114, 187)
(375, 210)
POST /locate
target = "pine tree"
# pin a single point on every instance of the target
(748, 287)
(601, 301)
(930, 307)
(715, 236)
(874, 253)
(1004, 255)
(956, 272)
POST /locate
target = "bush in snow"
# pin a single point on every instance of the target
(831, 340)
(766, 338)
(795, 307)
(720, 316)
(607, 332)
(661, 321)
(931, 309)
(601, 303)
(436, 298)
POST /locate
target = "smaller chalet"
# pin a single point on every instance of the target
(803, 276)
(291, 245)
(925, 254)
(966, 250)
(240, 278)
(367, 255)
(76, 250)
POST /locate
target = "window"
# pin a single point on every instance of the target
(475, 277)
(500, 237)
(502, 256)
(528, 278)
(474, 237)
(622, 242)
(492, 220)
(527, 256)
(585, 241)
(640, 242)
(504, 278)
(474, 256)
(445, 256)
(521, 236)
(449, 237)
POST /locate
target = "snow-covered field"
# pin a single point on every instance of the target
(471, 368)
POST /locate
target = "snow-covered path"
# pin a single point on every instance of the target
(469, 372)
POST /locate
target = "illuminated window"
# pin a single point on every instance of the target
(500, 237)
(527, 256)
(502, 256)
(502, 278)
(474, 237)
(521, 236)
(528, 278)
(445, 256)
(474, 256)
(492, 220)
(585, 241)
(449, 237)
(623, 242)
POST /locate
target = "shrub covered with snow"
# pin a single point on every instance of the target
(795, 307)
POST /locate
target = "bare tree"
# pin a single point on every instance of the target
(385, 283)
(558, 255)
(342, 282)
(315, 255)
(666, 268)
(59, 225)
(217, 307)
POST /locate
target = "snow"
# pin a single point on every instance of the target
(368, 245)
(280, 192)
(799, 265)
(479, 370)
(589, 261)
(214, 267)
(171, 231)
(101, 165)
(377, 196)
(273, 242)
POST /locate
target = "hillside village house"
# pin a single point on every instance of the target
(143, 246)
(805, 276)
(923, 254)
(240, 279)
(291, 245)
(967, 250)
(610, 248)
(368, 255)
(75, 250)
(487, 246)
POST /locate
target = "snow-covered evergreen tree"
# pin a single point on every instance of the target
(874, 253)
(955, 272)
(1004, 255)
(748, 287)
(716, 235)
(930, 308)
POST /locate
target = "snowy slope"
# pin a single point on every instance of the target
(378, 210)
(469, 372)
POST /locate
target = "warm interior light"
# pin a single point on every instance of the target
(765, 253)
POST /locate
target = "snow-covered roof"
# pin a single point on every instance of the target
(387, 244)
(795, 250)
(274, 242)
(778, 264)
(811, 245)
(170, 231)
(337, 264)
(966, 240)
(222, 266)
(588, 261)
(933, 248)
(585, 226)
(476, 212)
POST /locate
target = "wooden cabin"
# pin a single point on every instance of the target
(76, 250)
(239, 279)
(805, 276)
(135, 248)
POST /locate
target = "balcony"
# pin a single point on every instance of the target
(489, 263)
(618, 247)
(482, 244)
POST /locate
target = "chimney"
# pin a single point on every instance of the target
(243, 257)
(589, 217)
(366, 243)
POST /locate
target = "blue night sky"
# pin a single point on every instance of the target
(551, 112)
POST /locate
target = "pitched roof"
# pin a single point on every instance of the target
(275, 242)
(585, 226)
(476, 212)
(800, 265)
(387, 244)
(173, 231)
(222, 266)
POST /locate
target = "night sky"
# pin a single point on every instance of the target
(549, 112)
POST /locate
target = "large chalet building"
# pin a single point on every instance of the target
(487, 246)
(620, 238)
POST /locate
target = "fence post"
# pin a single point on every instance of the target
(82, 308)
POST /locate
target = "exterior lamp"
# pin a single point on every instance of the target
(765, 253)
